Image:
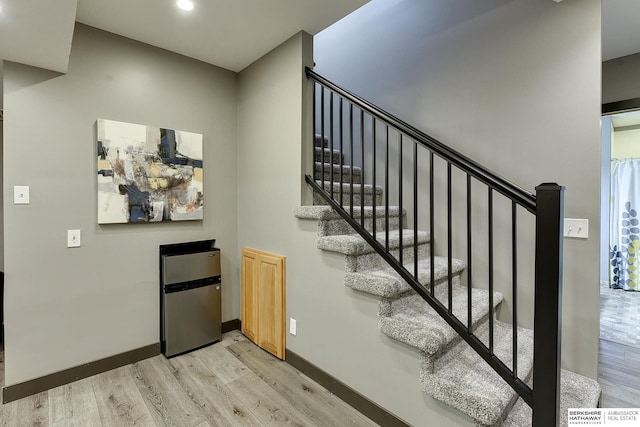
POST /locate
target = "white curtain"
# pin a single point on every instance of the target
(624, 243)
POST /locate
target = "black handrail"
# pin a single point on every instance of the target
(488, 177)
(546, 206)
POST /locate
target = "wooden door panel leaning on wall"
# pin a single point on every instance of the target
(264, 300)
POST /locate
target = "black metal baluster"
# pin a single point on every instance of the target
(331, 148)
(449, 242)
(315, 124)
(362, 167)
(469, 257)
(340, 110)
(400, 175)
(431, 223)
(415, 209)
(350, 160)
(322, 113)
(514, 284)
(375, 201)
(386, 191)
(490, 215)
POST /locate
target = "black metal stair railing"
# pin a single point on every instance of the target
(367, 136)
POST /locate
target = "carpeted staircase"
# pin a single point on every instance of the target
(450, 370)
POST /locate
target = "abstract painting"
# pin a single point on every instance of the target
(148, 174)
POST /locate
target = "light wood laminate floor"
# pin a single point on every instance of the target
(231, 383)
(619, 375)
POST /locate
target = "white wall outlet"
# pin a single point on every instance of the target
(73, 238)
(577, 228)
(292, 326)
(21, 195)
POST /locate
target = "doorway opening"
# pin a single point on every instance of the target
(620, 260)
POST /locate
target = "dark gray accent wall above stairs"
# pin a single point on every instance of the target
(619, 82)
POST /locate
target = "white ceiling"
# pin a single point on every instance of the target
(625, 120)
(228, 33)
(37, 32)
(620, 28)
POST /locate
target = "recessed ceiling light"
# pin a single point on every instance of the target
(185, 4)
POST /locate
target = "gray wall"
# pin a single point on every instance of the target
(65, 307)
(270, 109)
(513, 84)
(620, 78)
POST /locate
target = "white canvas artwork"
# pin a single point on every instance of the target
(148, 174)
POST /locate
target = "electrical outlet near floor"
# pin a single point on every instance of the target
(292, 326)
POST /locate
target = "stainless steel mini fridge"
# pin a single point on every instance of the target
(191, 301)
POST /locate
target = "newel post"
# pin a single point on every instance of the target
(548, 305)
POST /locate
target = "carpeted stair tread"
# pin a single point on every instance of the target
(346, 188)
(576, 391)
(330, 156)
(349, 173)
(372, 195)
(325, 212)
(462, 379)
(387, 283)
(318, 140)
(411, 319)
(354, 244)
(331, 223)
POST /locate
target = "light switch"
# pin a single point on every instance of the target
(73, 238)
(578, 228)
(21, 195)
